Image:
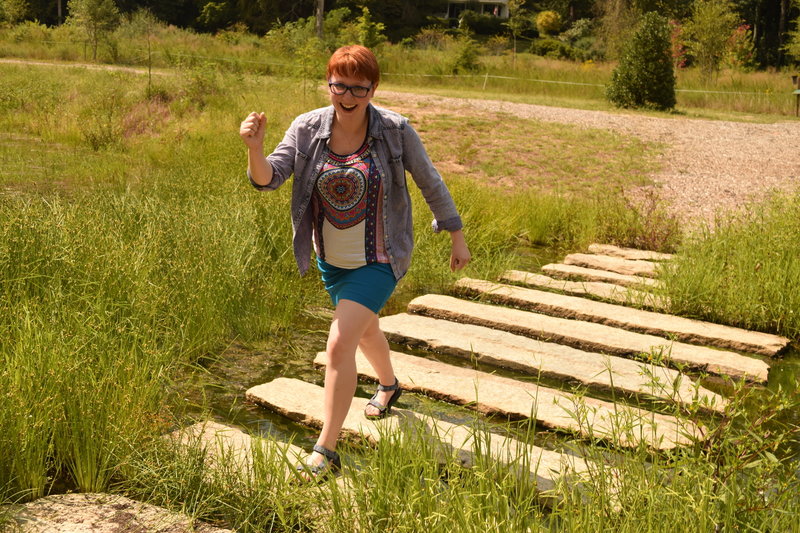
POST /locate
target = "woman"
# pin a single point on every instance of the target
(349, 200)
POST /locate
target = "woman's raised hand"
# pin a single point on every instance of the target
(252, 130)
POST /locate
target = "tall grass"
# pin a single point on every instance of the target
(746, 272)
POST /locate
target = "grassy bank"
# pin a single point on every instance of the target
(131, 246)
(290, 52)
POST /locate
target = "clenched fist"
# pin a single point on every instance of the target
(252, 130)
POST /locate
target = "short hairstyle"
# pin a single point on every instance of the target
(354, 61)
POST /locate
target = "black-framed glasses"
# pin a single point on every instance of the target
(356, 90)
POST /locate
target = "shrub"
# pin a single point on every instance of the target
(548, 22)
(464, 57)
(480, 23)
(432, 37)
(549, 47)
(645, 76)
(713, 22)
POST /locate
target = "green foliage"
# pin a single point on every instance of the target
(13, 11)
(480, 23)
(370, 33)
(710, 29)
(792, 46)
(745, 272)
(645, 75)
(97, 18)
(548, 22)
(463, 56)
(549, 47)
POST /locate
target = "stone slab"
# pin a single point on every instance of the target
(597, 289)
(99, 513)
(231, 447)
(572, 272)
(629, 267)
(638, 320)
(592, 370)
(302, 402)
(628, 253)
(590, 336)
(550, 408)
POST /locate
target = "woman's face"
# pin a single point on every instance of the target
(355, 97)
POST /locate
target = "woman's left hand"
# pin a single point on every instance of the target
(459, 255)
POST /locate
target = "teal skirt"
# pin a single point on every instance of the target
(370, 285)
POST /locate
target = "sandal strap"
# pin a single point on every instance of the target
(330, 455)
(386, 388)
(380, 407)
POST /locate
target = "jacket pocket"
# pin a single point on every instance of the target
(398, 171)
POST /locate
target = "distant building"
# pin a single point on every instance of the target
(498, 8)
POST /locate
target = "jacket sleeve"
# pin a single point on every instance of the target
(281, 159)
(429, 181)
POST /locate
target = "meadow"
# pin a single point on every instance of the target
(137, 266)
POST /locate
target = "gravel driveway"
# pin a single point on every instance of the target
(707, 166)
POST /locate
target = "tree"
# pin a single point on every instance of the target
(712, 24)
(548, 22)
(792, 46)
(519, 20)
(98, 18)
(645, 76)
(13, 11)
(319, 14)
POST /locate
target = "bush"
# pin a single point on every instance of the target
(549, 47)
(480, 23)
(548, 22)
(645, 75)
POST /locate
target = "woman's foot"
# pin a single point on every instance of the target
(320, 464)
(380, 405)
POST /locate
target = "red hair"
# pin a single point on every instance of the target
(354, 61)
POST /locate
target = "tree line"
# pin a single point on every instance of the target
(765, 30)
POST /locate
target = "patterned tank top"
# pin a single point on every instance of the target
(348, 218)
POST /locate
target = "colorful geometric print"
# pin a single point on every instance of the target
(342, 192)
(347, 194)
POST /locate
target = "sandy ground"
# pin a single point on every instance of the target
(707, 166)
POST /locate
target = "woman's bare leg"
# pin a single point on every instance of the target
(350, 321)
(376, 349)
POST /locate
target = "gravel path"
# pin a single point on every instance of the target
(707, 166)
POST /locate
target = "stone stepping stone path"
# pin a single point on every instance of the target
(572, 272)
(595, 345)
(638, 320)
(628, 253)
(607, 291)
(550, 408)
(591, 336)
(536, 358)
(628, 267)
(300, 401)
(223, 444)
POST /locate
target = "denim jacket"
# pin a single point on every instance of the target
(395, 147)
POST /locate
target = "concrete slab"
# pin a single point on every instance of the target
(302, 402)
(577, 273)
(638, 320)
(593, 370)
(605, 291)
(590, 336)
(618, 424)
(629, 267)
(628, 253)
(99, 513)
(229, 447)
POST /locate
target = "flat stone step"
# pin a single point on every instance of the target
(590, 336)
(628, 253)
(99, 513)
(303, 402)
(577, 273)
(551, 408)
(597, 289)
(593, 370)
(638, 320)
(629, 267)
(222, 443)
